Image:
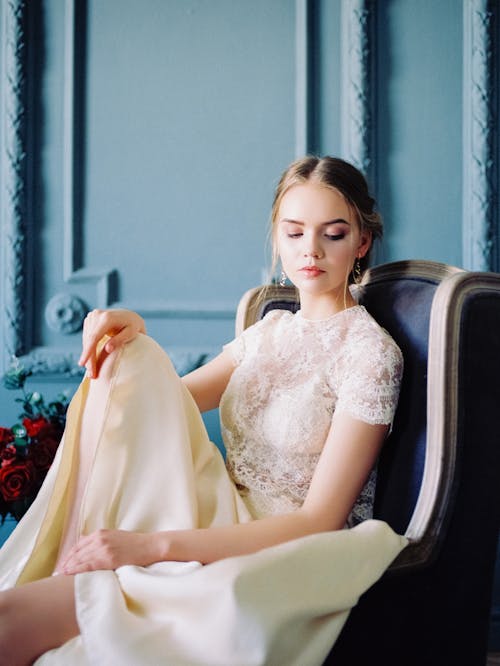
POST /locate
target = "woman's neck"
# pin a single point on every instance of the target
(322, 307)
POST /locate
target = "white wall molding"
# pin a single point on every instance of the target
(13, 236)
(73, 161)
(302, 77)
(480, 131)
(358, 86)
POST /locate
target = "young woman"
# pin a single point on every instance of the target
(139, 497)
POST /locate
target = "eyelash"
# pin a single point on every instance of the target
(334, 237)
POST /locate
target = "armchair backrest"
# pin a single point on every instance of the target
(402, 297)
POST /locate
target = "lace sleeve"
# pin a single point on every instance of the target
(236, 348)
(251, 336)
(371, 379)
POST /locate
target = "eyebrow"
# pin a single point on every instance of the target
(339, 220)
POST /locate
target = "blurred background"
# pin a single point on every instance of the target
(142, 140)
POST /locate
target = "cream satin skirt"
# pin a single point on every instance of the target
(154, 468)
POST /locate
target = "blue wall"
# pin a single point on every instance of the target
(419, 129)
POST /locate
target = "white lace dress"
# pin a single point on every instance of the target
(291, 375)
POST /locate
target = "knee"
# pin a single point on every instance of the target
(147, 356)
(135, 360)
(5, 610)
(142, 348)
(7, 629)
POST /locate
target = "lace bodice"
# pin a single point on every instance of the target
(291, 374)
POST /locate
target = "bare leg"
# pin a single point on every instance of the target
(91, 425)
(36, 617)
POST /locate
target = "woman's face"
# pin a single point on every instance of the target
(318, 241)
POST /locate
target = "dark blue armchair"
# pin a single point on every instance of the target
(439, 472)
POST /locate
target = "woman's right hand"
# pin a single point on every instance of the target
(121, 325)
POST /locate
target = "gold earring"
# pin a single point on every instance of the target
(357, 271)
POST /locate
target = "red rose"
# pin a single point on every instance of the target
(42, 453)
(17, 480)
(6, 435)
(35, 426)
(8, 455)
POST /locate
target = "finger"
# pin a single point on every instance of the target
(91, 366)
(76, 548)
(95, 327)
(80, 565)
(116, 340)
(89, 346)
(120, 338)
(88, 560)
(82, 557)
(104, 354)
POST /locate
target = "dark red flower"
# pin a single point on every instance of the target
(8, 455)
(35, 426)
(6, 435)
(17, 480)
(42, 453)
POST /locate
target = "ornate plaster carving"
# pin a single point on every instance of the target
(13, 231)
(65, 313)
(64, 363)
(73, 158)
(357, 84)
(302, 77)
(480, 208)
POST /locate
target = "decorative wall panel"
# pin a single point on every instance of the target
(14, 180)
(75, 54)
(358, 89)
(75, 278)
(480, 113)
(303, 93)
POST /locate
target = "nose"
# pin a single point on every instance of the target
(312, 248)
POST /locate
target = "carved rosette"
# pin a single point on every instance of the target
(14, 176)
(480, 130)
(65, 313)
(357, 57)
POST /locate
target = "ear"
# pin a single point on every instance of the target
(365, 243)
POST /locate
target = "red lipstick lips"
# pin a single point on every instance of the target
(311, 271)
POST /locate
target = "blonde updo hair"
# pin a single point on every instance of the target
(340, 176)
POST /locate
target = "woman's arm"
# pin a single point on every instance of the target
(350, 452)
(208, 383)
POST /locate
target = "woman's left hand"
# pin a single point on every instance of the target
(109, 549)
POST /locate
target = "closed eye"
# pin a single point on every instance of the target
(334, 237)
